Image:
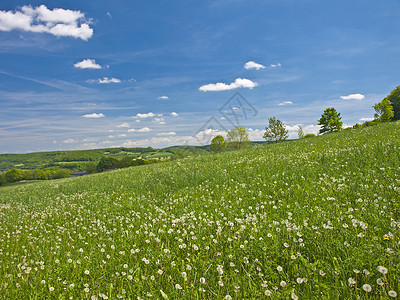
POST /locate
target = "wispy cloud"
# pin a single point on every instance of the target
(353, 97)
(171, 133)
(253, 65)
(275, 66)
(107, 80)
(93, 116)
(58, 22)
(163, 98)
(124, 125)
(87, 64)
(144, 129)
(70, 141)
(239, 83)
(285, 103)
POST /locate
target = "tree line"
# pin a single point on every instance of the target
(385, 111)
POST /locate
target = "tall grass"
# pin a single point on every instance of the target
(311, 218)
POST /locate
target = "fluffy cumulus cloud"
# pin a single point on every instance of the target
(285, 103)
(40, 19)
(144, 129)
(253, 65)
(239, 83)
(163, 98)
(87, 64)
(107, 80)
(353, 97)
(174, 114)
(144, 116)
(93, 116)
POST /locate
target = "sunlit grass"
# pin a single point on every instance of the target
(312, 218)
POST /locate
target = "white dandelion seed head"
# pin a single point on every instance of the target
(392, 294)
(367, 288)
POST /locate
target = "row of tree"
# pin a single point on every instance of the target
(16, 175)
(385, 111)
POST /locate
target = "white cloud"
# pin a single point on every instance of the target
(124, 125)
(107, 80)
(89, 139)
(144, 116)
(285, 103)
(58, 22)
(275, 66)
(174, 114)
(160, 121)
(255, 134)
(69, 141)
(171, 133)
(239, 83)
(93, 116)
(366, 119)
(353, 97)
(122, 135)
(144, 129)
(211, 132)
(253, 65)
(87, 64)
(163, 97)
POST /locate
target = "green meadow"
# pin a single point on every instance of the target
(305, 219)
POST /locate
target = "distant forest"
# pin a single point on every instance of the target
(60, 164)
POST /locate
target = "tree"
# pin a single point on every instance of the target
(330, 121)
(300, 132)
(14, 175)
(106, 163)
(90, 167)
(394, 99)
(62, 173)
(238, 138)
(276, 131)
(218, 144)
(383, 111)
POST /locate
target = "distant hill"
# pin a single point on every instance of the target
(76, 159)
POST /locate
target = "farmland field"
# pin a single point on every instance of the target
(317, 217)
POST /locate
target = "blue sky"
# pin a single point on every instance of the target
(95, 74)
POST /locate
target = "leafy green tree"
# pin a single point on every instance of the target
(300, 132)
(238, 138)
(276, 131)
(14, 175)
(330, 121)
(90, 167)
(62, 173)
(394, 99)
(218, 144)
(3, 179)
(106, 163)
(125, 162)
(383, 111)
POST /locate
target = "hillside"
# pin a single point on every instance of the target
(77, 159)
(312, 218)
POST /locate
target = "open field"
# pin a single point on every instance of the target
(312, 218)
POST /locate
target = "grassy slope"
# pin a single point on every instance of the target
(319, 208)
